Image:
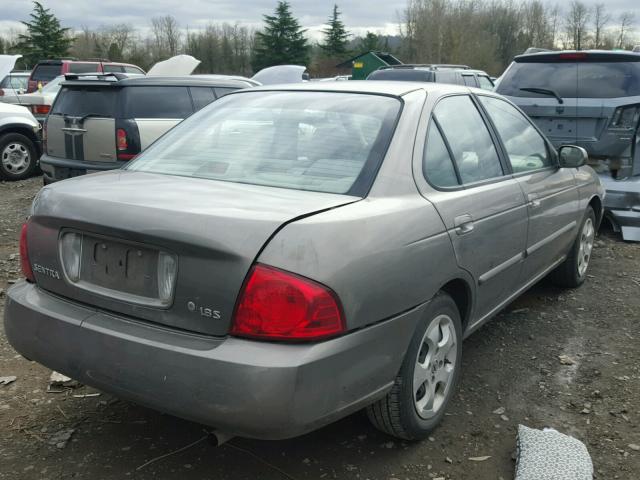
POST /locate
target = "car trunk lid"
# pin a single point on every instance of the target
(214, 230)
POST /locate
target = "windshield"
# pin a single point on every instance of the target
(573, 80)
(320, 141)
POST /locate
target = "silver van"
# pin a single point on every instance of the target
(591, 99)
(99, 122)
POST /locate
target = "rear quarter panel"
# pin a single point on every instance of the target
(382, 256)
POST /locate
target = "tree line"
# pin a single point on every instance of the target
(485, 34)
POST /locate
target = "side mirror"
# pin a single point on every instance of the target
(571, 156)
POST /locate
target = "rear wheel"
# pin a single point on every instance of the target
(428, 376)
(573, 271)
(17, 156)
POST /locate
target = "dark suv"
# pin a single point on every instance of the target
(98, 122)
(47, 70)
(592, 99)
(454, 74)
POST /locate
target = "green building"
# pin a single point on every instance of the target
(365, 63)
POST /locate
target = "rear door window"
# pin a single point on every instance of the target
(202, 96)
(46, 72)
(526, 148)
(437, 165)
(470, 141)
(157, 102)
(84, 67)
(447, 77)
(469, 80)
(97, 102)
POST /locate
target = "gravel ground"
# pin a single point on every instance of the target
(513, 362)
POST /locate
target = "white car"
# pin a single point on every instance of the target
(39, 103)
(20, 145)
(12, 85)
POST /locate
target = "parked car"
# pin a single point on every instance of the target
(454, 74)
(39, 102)
(289, 255)
(590, 99)
(98, 123)
(13, 85)
(47, 70)
(20, 145)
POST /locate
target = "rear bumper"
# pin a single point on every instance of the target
(55, 169)
(241, 387)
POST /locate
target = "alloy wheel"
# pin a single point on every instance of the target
(586, 246)
(435, 365)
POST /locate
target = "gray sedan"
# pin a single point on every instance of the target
(290, 255)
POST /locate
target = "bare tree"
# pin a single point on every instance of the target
(576, 24)
(166, 36)
(627, 19)
(600, 20)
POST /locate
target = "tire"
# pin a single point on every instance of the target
(573, 271)
(18, 157)
(405, 412)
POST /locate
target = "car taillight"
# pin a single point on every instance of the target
(573, 56)
(25, 263)
(626, 117)
(121, 139)
(278, 305)
(1, 92)
(40, 109)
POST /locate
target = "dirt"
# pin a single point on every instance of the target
(513, 362)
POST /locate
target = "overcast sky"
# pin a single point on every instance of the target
(359, 15)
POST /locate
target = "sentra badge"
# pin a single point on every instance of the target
(49, 272)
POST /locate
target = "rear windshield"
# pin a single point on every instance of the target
(407, 75)
(573, 80)
(46, 72)
(156, 102)
(14, 81)
(319, 141)
(97, 102)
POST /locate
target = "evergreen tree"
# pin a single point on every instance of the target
(335, 36)
(281, 42)
(370, 42)
(45, 38)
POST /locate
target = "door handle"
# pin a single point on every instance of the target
(463, 224)
(534, 201)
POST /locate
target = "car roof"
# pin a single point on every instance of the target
(382, 87)
(579, 55)
(121, 80)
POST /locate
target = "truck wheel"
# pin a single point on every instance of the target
(428, 376)
(18, 156)
(573, 271)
